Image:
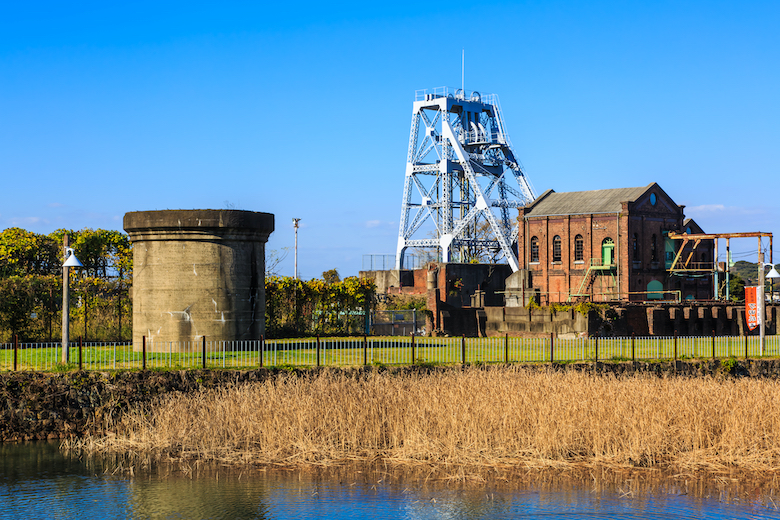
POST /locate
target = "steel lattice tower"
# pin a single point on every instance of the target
(462, 180)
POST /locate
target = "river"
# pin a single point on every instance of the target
(38, 481)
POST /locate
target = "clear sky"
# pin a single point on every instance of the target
(302, 109)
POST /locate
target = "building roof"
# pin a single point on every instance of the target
(691, 224)
(583, 202)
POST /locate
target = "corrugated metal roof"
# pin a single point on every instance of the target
(584, 202)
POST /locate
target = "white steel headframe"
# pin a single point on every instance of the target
(462, 179)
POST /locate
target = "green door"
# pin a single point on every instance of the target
(669, 251)
(607, 252)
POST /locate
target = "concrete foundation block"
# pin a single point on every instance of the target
(198, 273)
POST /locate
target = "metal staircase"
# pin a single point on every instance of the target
(597, 267)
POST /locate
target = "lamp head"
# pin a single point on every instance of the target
(71, 260)
(773, 274)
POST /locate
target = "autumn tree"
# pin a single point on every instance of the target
(331, 276)
(26, 253)
(31, 282)
(297, 308)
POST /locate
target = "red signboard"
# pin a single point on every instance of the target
(751, 307)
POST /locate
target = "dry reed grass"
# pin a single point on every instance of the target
(499, 417)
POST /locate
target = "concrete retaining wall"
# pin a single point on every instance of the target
(637, 319)
(36, 405)
(519, 320)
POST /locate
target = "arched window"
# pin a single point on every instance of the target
(578, 248)
(556, 252)
(655, 290)
(653, 249)
(534, 249)
(635, 247)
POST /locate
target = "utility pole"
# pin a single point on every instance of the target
(65, 303)
(295, 225)
(70, 261)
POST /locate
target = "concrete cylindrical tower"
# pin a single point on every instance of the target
(198, 273)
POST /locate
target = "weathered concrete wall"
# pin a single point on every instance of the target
(537, 322)
(457, 282)
(452, 292)
(198, 273)
(395, 281)
(636, 319)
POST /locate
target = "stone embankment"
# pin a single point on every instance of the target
(40, 405)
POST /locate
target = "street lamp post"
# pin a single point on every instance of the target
(295, 225)
(772, 275)
(70, 261)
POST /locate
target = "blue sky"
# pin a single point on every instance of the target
(302, 109)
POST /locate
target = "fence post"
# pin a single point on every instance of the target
(412, 348)
(675, 344)
(633, 348)
(463, 349)
(204, 352)
(81, 356)
(365, 349)
(597, 349)
(506, 348)
(143, 354)
(16, 351)
(713, 344)
(318, 350)
(262, 348)
(552, 346)
(746, 346)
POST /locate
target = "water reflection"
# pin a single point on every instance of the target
(38, 481)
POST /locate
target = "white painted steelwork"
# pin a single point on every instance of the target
(462, 180)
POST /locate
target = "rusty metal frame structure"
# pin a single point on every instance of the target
(698, 237)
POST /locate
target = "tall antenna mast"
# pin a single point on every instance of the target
(463, 71)
(295, 225)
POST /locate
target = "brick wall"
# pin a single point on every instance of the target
(638, 233)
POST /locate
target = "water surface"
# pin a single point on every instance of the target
(38, 481)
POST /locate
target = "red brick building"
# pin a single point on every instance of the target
(609, 245)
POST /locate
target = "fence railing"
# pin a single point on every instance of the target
(355, 351)
(383, 262)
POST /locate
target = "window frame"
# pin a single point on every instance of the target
(534, 250)
(557, 249)
(579, 248)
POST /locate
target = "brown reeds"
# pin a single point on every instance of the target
(496, 417)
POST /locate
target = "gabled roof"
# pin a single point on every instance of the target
(693, 225)
(583, 202)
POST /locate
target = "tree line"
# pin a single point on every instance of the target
(31, 285)
(327, 306)
(100, 293)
